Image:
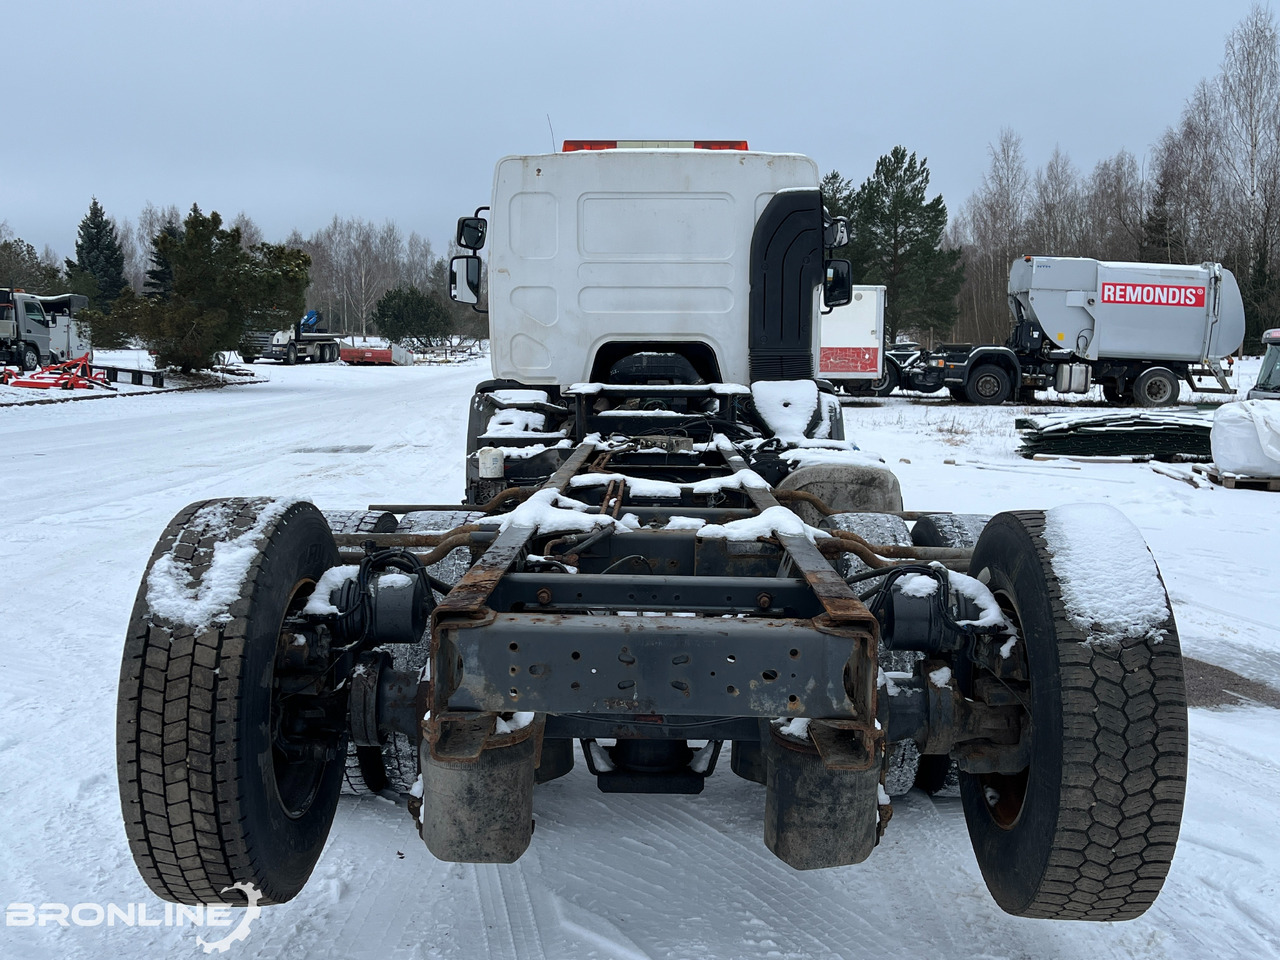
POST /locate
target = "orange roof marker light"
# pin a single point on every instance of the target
(571, 145)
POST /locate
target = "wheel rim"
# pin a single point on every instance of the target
(1006, 793)
(299, 750)
(1159, 390)
(987, 386)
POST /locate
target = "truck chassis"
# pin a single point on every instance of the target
(662, 568)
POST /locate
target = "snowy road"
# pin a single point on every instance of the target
(91, 485)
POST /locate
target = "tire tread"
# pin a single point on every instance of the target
(1122, 788)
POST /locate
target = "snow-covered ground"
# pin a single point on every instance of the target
(90, 486)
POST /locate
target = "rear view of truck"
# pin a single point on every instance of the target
(668, 552)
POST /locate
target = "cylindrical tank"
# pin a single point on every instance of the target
(1136, 311)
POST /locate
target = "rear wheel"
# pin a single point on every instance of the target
(988, 385)
(1155, 387)
(1087, 829)
(360, 521)
(229, 732)
(887, 383)
(455, 563)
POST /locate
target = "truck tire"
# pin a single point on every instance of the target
(223, 778)
(875, 528)
(290, 355)
(953, 530)
(458, 561)
(887, 383)
(1155, 387)
(389, 770)
(30, 358)
(1087, 830)
(360, 521)
(988, 384)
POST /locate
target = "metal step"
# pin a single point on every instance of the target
(1209, 368)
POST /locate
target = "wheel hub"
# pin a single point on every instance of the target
(304, 738)
(1006, 793)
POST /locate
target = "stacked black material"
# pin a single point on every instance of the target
(1153, 434)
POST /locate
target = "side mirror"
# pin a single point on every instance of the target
(836, 232)
(464, 279)
(837, 289)
(471, 232)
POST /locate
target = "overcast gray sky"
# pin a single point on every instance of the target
(294, 111)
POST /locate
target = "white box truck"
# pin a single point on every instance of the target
(852, 350)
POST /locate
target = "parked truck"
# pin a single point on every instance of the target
(36, 330)
(307, 339)
(1267, 386)
(654, 560)
(1135, 328)
(852, 354)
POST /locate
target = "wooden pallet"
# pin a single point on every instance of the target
(1233, 482)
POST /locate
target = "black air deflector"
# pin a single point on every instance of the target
(786, 266)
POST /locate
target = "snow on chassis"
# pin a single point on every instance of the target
(667, 545)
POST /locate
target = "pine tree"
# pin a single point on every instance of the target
(406, 315)
(21, 266)
(159, 281)
(217, 291)
(896, 240)
(98, 255)
(1158, 243)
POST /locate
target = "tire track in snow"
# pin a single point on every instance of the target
(764, 920)
(507, 912)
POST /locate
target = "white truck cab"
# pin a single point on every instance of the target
(1267, 386)
(608, 250)
(36, 330)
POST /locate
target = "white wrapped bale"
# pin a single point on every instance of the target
(1245, 439)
